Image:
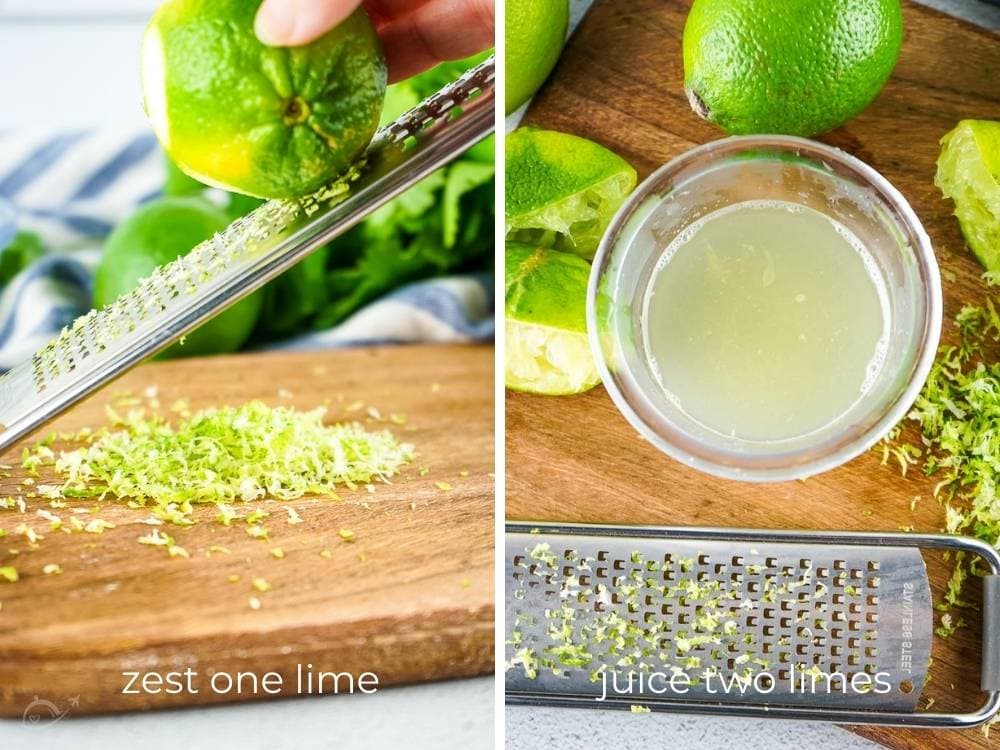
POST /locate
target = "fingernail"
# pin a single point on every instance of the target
(275, 22)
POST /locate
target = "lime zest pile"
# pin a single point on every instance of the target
(958, 413)
(220, 456)
(225, 457)
(968, 172)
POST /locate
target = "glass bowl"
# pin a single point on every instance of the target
(769, 168)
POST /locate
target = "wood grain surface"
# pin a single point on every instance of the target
(411, 599)
(619, 82)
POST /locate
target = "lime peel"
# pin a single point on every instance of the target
(545, 331)
(968, 172)
(562, 190)
(546, 360)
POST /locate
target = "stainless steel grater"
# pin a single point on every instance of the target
(605, 616)
(178, 296)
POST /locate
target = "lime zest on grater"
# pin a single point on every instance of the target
(177, 297)
(825, 626)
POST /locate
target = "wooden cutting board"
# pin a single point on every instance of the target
(411, 599)
(619, 82)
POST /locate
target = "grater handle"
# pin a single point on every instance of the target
(990, 670)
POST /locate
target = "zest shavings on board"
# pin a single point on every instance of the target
(219, 456)
(958, 414)
(230, 457)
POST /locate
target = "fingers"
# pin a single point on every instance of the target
(435, 31)
(286, 23)
(416, 34)
(382, 12)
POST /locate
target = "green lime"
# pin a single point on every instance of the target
(547, 350)
(969, 173)
(157, 233)
(239, 205)
(176, 182)
(798, 66)
(535, 32)
(275, 122)
(22, 250)
(561, 191)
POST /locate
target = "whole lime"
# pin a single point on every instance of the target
(274, 122)
(535, 32)
(157, 233)
(177, 182)
(799, 67)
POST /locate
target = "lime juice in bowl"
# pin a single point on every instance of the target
(764, 308)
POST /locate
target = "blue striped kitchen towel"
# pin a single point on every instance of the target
(71, 188)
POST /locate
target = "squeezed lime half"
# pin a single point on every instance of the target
(547, 350)
(562, 190)
(968, 172)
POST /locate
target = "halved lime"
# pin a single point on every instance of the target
(969, 173)
(272, 122)
(546, 322)
(562, 190)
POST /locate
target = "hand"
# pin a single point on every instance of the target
(416, 34)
